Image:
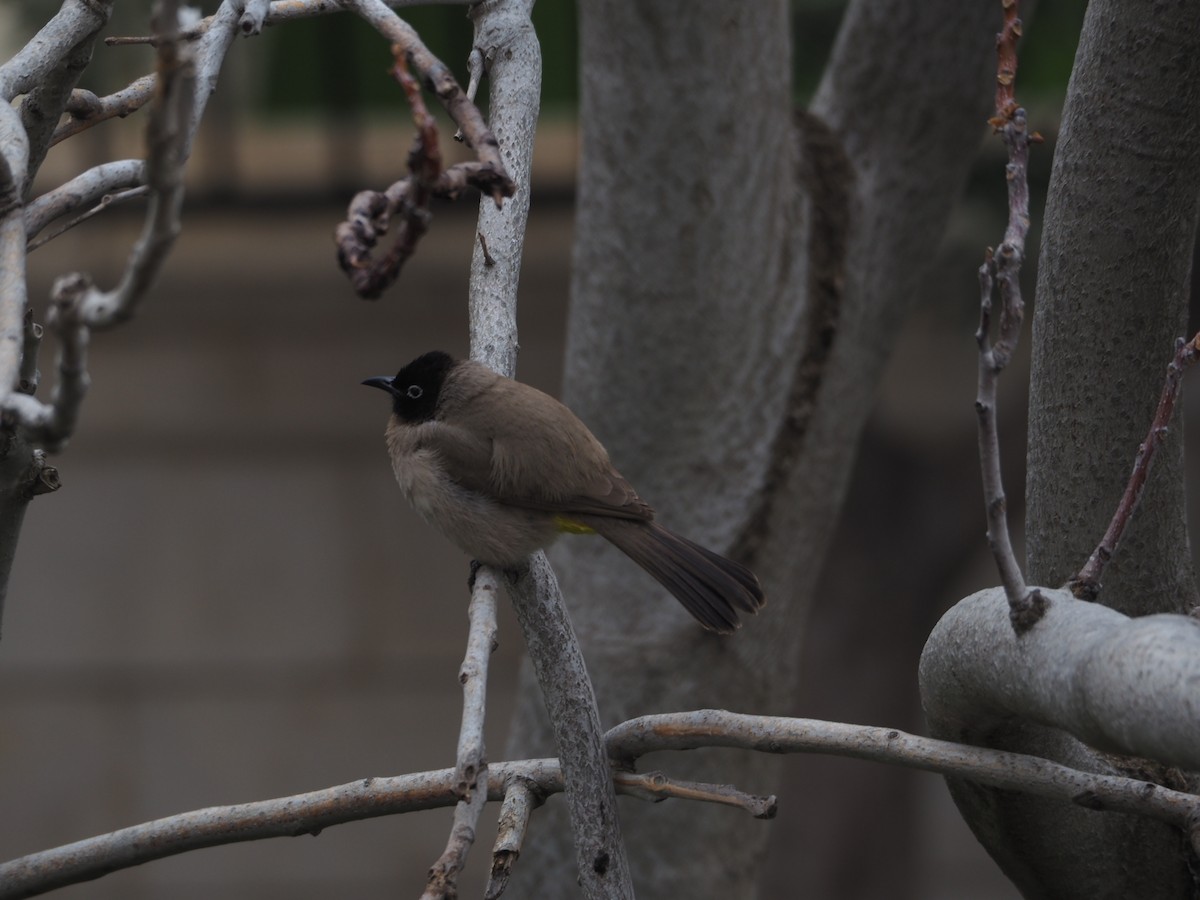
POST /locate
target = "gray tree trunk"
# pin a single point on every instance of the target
(717, 252)
(1112, 293)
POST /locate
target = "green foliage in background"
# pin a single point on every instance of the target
(338, 65)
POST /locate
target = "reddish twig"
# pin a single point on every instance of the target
(410, 197)
(370, 213)
(1002, 270)
(1086, 584)
(1006, 64)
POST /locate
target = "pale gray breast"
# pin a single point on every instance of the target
(488, 531)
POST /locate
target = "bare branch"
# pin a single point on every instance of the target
(471, 769)
(1087, 583)
(656, 787)
(167, 139)
(83, 190)
(522, 784)
(369, 217)
(411, 197)
(1015, 771)
(14, 158)
(108, 199)
(105, 202)
(438, 79)
(509, 48)
(519, 803)
(475, 74)
(1004, 266)
(473, 675)
(504, 35)
(14, 155)
(370, 214)
(301, 814)
(443, 874)
(43, 106)
(571, 707)
(78, 306)
(36, 62)
(85, 109)
(210, 56)
(1006, 63)
(53, 424)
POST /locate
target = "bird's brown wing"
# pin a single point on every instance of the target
(538, 455)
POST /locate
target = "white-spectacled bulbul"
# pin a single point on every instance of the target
(502, 469)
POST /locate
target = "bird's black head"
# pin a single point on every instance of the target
(416, 387)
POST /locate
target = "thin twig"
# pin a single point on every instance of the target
(488, 259)
(1087, 583)
(471, 767)
(28, 382)
(1006, 63)
(474, 76)
(656, 787)
(82, 190)
(105, 202)
(519, 803)
(473, 675)
(443, 874)
(1002, 269)
(411, 197)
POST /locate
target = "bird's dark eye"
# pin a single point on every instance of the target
(414, 392)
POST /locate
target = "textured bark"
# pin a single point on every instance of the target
(1112, 290)
(1112, 297)
(693, 321)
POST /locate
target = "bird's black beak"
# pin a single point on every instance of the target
(383, 382)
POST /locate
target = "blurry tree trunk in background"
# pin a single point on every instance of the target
(716, 251)
(1112, 296)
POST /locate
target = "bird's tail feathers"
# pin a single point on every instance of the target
(711, 587)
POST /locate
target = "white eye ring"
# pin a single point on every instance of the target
(414, 392)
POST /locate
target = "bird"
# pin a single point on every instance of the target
(502, 469)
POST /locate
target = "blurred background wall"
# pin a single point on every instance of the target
(228, 600)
